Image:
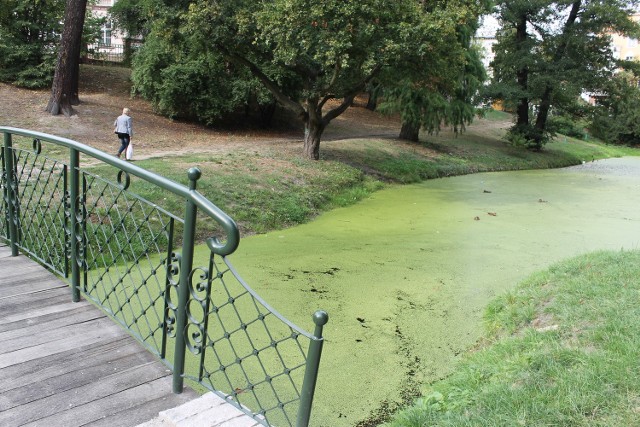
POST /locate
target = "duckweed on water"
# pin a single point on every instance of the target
(406, 274)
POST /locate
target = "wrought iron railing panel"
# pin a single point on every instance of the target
(40, 185)
(127, 242)
(134, 259)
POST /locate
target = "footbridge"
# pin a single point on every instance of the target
(132, 307)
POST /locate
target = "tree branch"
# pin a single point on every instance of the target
(334, 77)
(348, 99)
(287, 102)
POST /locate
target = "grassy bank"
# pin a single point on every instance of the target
(561, 350)
(274, 188)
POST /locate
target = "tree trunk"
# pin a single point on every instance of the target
(545, 100)
(64, 91)
(409, 132)
(543, 110)
(75, 82)
(128, 52)
(522, 75)
(372, 102)
(313, 128)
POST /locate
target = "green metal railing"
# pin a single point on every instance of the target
(135, 260)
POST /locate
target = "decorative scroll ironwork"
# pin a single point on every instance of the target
(123, 249)
(241, 348)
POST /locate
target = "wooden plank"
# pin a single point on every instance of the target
(77, 397)
(71, 331)
(20, 268)
(21, 262)
(5, 251)
(99, 369)
(14, 269)
(67, 364)
(78, 414)
(29, 284)
(46, 321)
(108, 332)
(140, 413)
(23, 306)
(59, 305)
(33, 371)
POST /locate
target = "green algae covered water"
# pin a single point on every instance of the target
(406, 274)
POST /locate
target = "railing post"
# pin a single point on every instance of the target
(11, 197)
(76, 232)
(320, 318)
(186, 264)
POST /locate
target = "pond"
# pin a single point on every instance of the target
(406, 274)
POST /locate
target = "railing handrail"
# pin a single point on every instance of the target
(227, 223)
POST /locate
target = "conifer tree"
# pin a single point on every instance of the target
(549, 52)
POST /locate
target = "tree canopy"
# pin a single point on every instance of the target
(312, 57)
(438, 85)
(29, 32)
(617, 118)
(549, 52)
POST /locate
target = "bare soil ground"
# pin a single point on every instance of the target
(104, 91)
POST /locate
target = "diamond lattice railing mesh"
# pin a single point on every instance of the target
(40, 185)
(241, 349)
(127, 243)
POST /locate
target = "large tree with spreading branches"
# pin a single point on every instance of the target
(312, 57)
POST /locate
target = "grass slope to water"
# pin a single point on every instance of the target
(562, 351)
(274, 188)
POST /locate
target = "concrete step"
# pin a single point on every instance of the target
(208, 410)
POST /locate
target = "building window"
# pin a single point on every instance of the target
(106, 33)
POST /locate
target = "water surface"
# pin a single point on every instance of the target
(405, 275)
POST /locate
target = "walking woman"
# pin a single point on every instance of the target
(124, 129)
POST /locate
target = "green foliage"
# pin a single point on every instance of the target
(440, 78)
(184, 84)
(527, 136)
(28, 39)
(93, 24)
(132, 17)
(617, 118)
(548, 52)
(567, 125)
(180, 77)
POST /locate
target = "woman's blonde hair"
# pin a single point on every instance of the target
(126, 111)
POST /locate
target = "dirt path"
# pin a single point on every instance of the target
(105, 91)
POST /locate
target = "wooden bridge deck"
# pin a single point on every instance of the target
(67, 364)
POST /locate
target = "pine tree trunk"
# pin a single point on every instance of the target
(409, 132)
(522, 75)
(64, 91)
